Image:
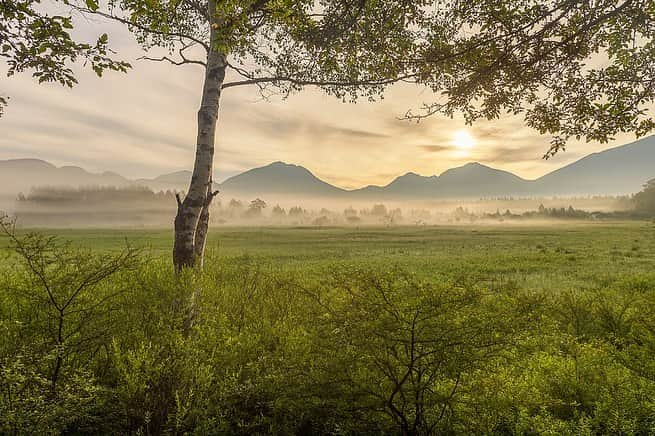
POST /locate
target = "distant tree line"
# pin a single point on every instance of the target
(43, 195)
(141, 205)
(95, 206)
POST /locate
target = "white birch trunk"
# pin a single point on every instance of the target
(192, 219)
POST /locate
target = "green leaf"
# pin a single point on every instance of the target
(92, 4)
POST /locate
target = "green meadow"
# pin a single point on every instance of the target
(537, 255)
(503, 329)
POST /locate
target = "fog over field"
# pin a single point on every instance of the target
(140, 206)
(42, 194)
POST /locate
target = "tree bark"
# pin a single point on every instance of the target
(203, 227)
(192, 219)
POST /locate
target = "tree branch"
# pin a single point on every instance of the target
(302, 82)
(184, 61)
(172, 61)
(143, 28)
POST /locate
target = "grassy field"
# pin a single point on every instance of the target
(563, 254)
(503, 329)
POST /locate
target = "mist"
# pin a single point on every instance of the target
(140, 206)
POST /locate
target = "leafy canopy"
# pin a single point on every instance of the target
(33, 40)
(583, 69)
(348, 48)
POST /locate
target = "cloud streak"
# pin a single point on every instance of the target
(435, 148)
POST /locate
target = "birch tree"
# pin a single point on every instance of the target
(348, 48)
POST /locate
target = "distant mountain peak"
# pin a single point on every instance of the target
(470, 166)
(279, 163)
(466, 170)
(409, 179)
(282, 166)
(279, 177)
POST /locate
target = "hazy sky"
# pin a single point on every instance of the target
(142, 124)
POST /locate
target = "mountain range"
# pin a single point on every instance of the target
(616, 171)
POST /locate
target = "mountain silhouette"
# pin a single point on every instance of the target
(470, 180)
(617, 171)
(279, 178)
(20, 175)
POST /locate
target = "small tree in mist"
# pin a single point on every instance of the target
(349, 212)
(297, 213)
(278, 212)
(645, 200)
(255, 208)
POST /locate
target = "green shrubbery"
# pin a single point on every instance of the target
(102, 344)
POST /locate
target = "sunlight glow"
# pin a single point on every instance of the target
(463, 140)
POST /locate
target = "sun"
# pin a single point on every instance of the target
(463, 140)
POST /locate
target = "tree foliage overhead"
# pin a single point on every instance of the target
(33, 40)
(573, 69)
(349, 48)
(582, 69)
